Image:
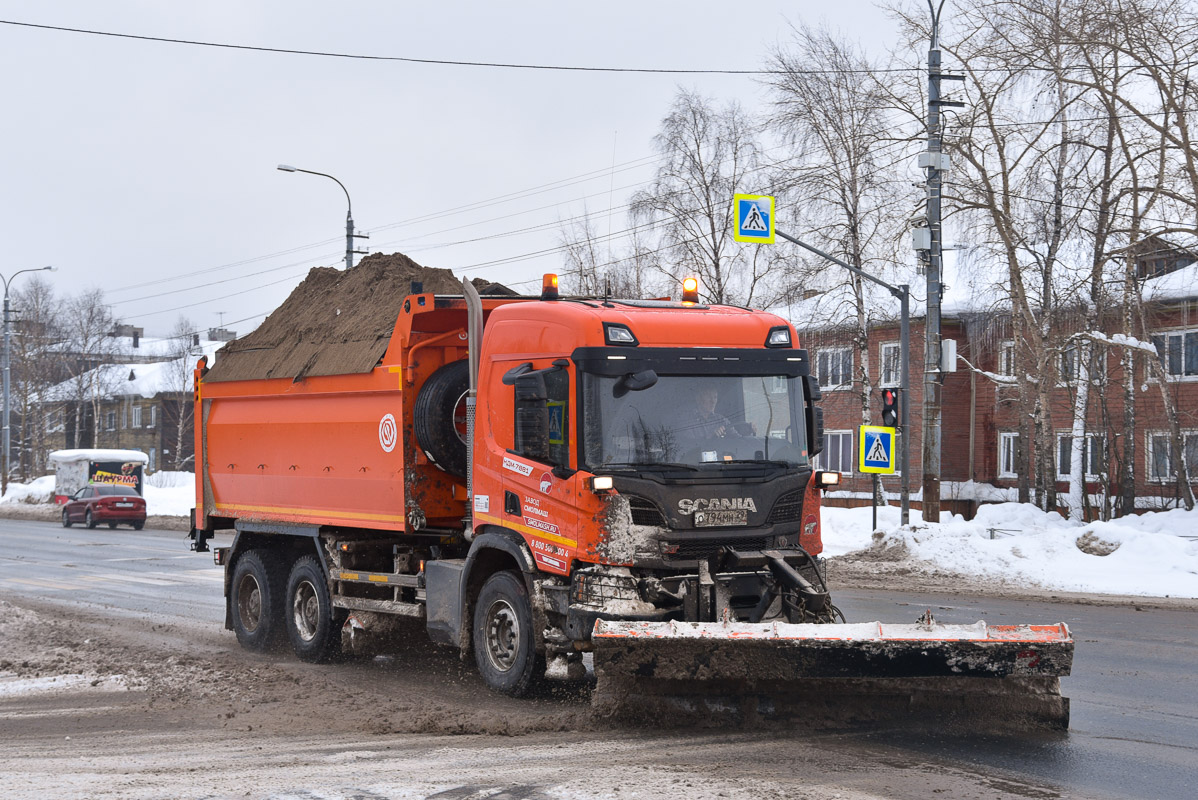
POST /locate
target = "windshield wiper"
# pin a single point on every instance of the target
(650, 465)
(767, 461)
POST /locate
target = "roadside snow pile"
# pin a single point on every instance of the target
(1147, 554)
(170, 494)
(39, 490)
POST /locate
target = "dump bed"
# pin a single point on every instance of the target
(330, 449)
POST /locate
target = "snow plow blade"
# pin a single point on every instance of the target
(979, 677)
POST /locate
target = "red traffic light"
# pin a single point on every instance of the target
(890, 408)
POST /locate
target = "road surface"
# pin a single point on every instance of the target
(168, 705)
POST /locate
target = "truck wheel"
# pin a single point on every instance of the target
(312, 622)
(88, 519)
(66, 519)
(255, 598)
(504, 647)
(439, 417)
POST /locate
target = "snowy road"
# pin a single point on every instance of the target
(204, 719)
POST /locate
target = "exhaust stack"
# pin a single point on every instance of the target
(474, 332)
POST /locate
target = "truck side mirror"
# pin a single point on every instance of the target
(635, 382)
(815, 431)
(532, 416)
(815, 416)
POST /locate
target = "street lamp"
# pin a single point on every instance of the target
(349, 214)
(8, 369)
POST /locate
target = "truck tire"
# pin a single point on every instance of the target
(504, 647)
(255, 599)
(439, 417)
(313, 625)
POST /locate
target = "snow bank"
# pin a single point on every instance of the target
(40, 490)
(1148, 554)
(170, 494)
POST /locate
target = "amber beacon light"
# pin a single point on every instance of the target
(549, 287)
(690, 290)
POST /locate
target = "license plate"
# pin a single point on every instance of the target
(719, 519)
(123, 505)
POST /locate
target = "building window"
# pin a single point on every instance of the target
(1008, 448)
(1178, 352)
(890, 355)
(1093, 456)
(1071, 364)
(834, 367)
(137, 416)
(1006, 358)
(837, 455)
(54, 421)
(153, 459)
(110, 420)
(153, 416)
(1159, 458)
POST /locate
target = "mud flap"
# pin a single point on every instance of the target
(951, 677)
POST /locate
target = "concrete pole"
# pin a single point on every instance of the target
(7, 394)
(931, 371)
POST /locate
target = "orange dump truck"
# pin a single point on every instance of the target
(539, 477)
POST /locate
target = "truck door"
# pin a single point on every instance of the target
(540, 487)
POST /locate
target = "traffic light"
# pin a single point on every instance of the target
(890, 408)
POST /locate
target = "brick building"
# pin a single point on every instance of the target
(983, 429)
(140, 406)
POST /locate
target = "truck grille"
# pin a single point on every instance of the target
(644, 512)
(691, 550)
(789, 508)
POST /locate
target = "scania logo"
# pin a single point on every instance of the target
(689, 506)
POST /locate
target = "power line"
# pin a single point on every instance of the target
(442, 62)
(226, 280)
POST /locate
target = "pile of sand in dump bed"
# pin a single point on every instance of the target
(336, 322)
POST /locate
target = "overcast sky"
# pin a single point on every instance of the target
(148, 169)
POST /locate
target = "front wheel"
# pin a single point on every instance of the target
(504, 647)
(255, 599)
(312, 624)
(66, 519)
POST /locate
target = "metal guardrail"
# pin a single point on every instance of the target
(996, 532)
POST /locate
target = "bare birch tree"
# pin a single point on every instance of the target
(707, 155)
(35, 366)
(844, 170)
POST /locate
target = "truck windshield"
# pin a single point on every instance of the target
(692, 420)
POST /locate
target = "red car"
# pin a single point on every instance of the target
(115, 505)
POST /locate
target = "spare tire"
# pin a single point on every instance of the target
(440, 417)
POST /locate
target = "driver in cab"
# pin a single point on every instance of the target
(709, 423)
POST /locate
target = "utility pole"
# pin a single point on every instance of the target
(936, 163)
(349, 215)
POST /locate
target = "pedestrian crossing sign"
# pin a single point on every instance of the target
(754, 218)
(877, 449)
